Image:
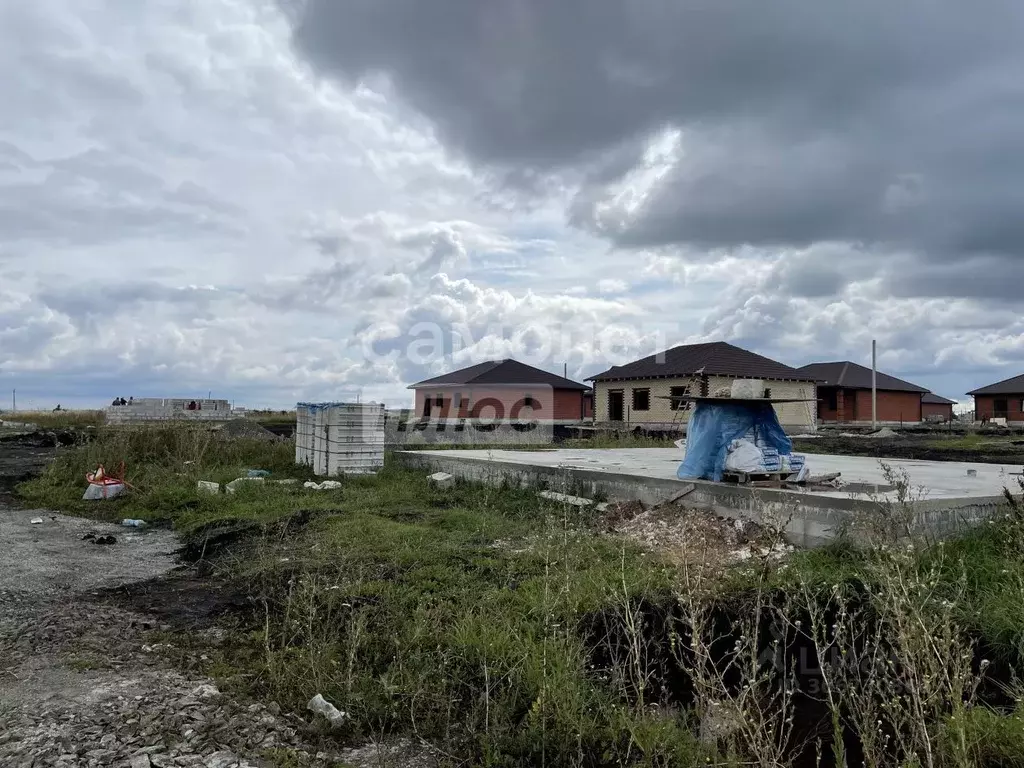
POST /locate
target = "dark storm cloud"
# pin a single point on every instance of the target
(870, 122)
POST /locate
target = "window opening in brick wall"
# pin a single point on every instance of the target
(641, 399)
(674, 392)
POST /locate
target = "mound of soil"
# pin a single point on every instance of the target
(22, 457)
(243, 429)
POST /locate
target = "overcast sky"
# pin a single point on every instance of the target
(277, 200)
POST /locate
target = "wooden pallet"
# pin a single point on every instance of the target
(757, 478)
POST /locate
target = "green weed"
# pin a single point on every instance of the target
(57, 419)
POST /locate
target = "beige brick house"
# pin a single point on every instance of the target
(640, 392)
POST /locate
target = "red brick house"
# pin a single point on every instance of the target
(844, 394)
(501, 390)
(1002, 400)
(936, 407)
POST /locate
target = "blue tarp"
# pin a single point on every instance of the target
(713, 426)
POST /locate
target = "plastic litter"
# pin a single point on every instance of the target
(97, 492)
(319, 705)
(326, 485)
(36, 521)
(208, 487)
(103, 485)
(257, 473)
(131, 523)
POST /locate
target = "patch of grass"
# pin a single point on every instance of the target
(272, 417)
(992, 738)
(424, 617)
(57, 419)
(162, 467)
(967, 442)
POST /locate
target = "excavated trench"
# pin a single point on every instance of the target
(648, 647)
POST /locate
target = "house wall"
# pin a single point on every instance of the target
(502, 402)
(936, 410)
(984, 407)
(660, 411)
(892, 406)
(853, 405)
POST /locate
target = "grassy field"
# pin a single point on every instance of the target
(507, 630)
(272, 417)
(56, 419)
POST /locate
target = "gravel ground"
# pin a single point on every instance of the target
(84, 684)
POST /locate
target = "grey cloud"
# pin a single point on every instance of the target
(985, 278)
(896, 125)
(96, 196)
(90, 304)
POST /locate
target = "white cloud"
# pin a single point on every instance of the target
(185, 206)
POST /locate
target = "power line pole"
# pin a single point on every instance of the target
(874, 387)
(14, 400)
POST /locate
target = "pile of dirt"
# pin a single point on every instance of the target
(243, 429)
(687, 535)
(22, 457)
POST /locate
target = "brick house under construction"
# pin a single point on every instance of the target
(502, 390)
(641, 392)
(844, 394)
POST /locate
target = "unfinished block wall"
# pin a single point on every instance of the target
(660, 411)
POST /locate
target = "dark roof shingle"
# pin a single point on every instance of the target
(1013, 386)
(500, 372)
(849, 375)
(716, 358)
(933, 399)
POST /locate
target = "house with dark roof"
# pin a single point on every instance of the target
(1002, 400)
(500, 390)
(844, 394)
(936, 408)
(646, 391)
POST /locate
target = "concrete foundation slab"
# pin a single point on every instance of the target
(946, 496)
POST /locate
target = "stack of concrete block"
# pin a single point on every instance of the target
(340, 438)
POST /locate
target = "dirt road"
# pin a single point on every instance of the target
(79, 686)
(83, 682)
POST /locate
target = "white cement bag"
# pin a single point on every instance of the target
(744, 456)
(747, 388)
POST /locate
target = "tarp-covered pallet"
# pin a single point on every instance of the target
(742, 439)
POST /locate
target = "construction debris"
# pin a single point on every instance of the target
(564, 498)
(319, 705)
(234, 485)
(441, 480)
(688, 488)
(692, 536)
(326, 485)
